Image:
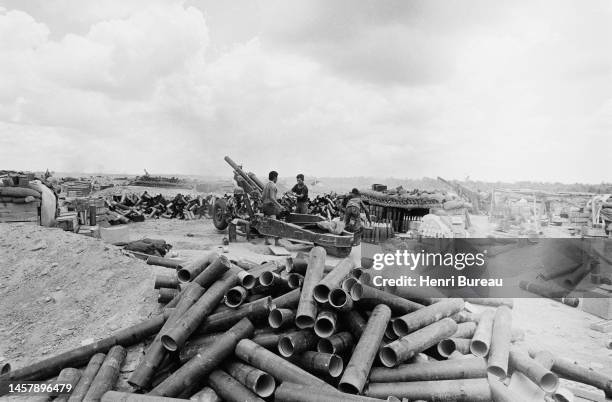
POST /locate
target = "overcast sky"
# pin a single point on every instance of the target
(494, 90)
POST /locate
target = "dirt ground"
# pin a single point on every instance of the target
(59, 290)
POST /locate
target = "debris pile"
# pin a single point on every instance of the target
(327, 205)
(301, 330)
(136, 207)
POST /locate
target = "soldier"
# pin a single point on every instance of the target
(301, 192)
(269, 205)
(268, 199)
(352, 216)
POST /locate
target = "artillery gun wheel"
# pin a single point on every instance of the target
(219, 213)
(340, 252)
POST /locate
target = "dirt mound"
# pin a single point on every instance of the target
(59, 289)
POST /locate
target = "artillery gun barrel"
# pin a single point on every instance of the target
(242, 174)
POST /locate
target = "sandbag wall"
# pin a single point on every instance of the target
(19, 204)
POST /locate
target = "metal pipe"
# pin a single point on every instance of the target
(254, 311)
(117, 396)
(411, 322)
(340, 300)
(307, 307)
(336, 344)
(154, 355)
(288, 300)
(193, 268)
(193, 346)
(235, 296)
(465, 330)
(175, 337)
(573, 371)
(166, 295)
(204, 279)
(520, 361)
(271, 282)
(359, 366)
(281, 317)
(80, 356)
(259, 382)
(481, 340)
(81, 388)
(322, 363)
(332, 280)
(472, 390)
(230, 389)
(267, 340)
(294, 343)
(270, 267)
(206, 394)
(166, 281)
(70, 376)
(348, 284)
(501, 393)
(404, 348)
(457, 355)
(295, 280)
(354, 322)
(107, 375)
(205, 361)
(246, 264)
(325, 324)
(447, 347)
(297, 264)
(501, 336)
(492, 301)
(156, 352)
(279, 368)
(465, 316)
(367, 296)
(471, 367)
(548, 290)
(247, 280)
(290, 392)
(164, 262)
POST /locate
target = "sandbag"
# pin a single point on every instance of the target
(19, 200)
(19, 192)
(334, 227)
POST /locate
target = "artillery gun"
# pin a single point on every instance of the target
(245, 204)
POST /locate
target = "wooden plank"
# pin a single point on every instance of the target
(279, 250)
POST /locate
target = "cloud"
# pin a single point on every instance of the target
(402, 89)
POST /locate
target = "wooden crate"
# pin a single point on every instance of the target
(28, 212)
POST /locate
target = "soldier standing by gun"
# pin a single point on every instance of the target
(269, 204)
(301, 192)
